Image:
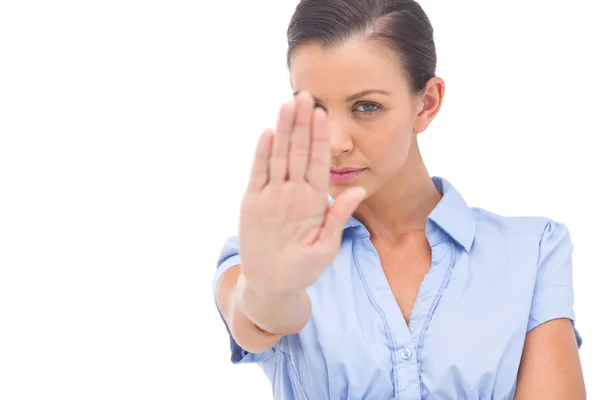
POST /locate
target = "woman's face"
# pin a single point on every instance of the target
(372, 116)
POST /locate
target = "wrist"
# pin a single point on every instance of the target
(267, 296)
(273, 313)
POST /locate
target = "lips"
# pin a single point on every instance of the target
(344, 175)
(345, 170)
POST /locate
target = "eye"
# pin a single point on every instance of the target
(317, 105)
(368, 108)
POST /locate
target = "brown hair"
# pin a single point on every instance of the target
(400, 24)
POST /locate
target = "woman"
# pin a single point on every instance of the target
(392, 287)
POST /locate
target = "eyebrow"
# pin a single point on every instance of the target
(357, 95)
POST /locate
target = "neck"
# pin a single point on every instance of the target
(400, 209)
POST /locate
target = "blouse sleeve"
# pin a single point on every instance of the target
(553, 295)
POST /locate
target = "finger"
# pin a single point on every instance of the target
(320, 156)
(340, 212)
(278, 163)
(259, 174)
(300, 146)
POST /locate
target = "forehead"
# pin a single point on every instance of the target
(352, 66)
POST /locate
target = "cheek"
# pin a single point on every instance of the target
(387, 141)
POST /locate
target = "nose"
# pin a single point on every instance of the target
(340, 141)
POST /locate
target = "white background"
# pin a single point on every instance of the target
(126, 131)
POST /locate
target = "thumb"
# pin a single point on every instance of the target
(339, 213)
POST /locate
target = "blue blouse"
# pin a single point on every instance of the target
(492, 279)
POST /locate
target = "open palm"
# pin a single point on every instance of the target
(288, 234)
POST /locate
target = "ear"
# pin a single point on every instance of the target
(429, 103)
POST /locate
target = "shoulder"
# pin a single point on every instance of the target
(515, 242)
(515, 227)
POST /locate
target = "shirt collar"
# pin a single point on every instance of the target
(451, 216)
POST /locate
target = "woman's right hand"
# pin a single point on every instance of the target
(288, 234)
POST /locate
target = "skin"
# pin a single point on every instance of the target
(400, 191)
(377, 131)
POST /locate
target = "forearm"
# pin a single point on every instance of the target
(282, 314)
(246, 333)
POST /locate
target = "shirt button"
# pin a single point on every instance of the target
(406, 354)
